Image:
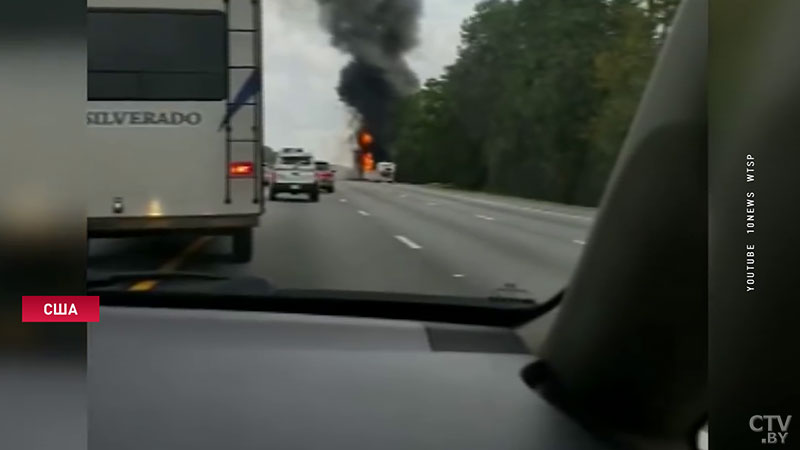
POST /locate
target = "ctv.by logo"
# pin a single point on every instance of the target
(773, 422)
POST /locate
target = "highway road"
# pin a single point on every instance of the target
(384, 237)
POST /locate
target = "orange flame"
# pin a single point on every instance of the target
(367, 163)
(365, 139)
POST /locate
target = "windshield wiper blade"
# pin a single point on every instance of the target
(509, 293)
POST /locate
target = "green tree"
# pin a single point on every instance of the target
(538, 100)
(635, 33)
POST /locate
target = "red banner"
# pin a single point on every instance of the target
(59, 308)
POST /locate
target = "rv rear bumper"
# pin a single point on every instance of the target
(116, 226)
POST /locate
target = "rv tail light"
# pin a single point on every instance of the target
(241, 169)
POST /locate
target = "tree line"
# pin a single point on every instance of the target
(538, 101)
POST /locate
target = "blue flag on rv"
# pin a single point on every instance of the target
(249, 89)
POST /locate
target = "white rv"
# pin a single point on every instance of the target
(174, 118)
(383, 172)
(386, 171)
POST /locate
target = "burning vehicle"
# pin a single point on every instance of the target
(377, 34)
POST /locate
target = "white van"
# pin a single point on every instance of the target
(174, 118)
(386, 171)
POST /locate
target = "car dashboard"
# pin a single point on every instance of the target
(211, 379)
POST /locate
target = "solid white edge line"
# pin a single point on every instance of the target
(408, 242)
(363, 213)
(579, 242)
(509, 205)
(556, 213)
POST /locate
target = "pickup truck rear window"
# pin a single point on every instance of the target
(295, 160)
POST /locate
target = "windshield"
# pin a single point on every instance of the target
(501, 122)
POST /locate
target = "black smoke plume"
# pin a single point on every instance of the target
(377, 34)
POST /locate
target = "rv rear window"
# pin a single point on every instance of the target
(156, 55)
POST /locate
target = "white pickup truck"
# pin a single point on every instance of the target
(294, 172)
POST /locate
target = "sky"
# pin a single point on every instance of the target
(301, 72)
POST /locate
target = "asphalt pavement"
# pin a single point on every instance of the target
(384, 237)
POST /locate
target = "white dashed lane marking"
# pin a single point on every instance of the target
(411, 244)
